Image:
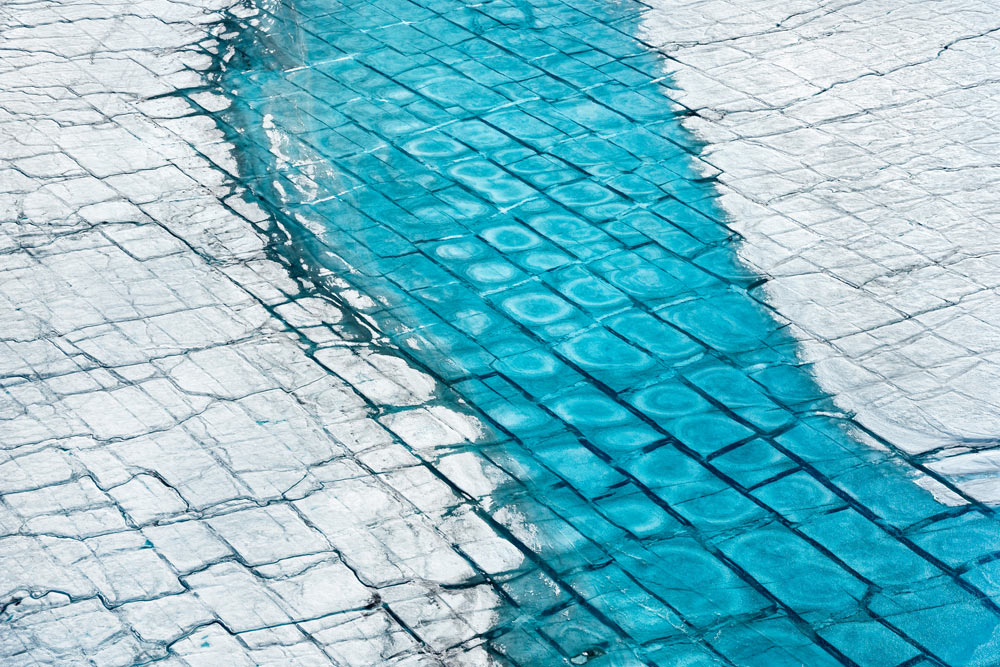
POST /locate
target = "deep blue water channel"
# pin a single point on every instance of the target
(509, 186)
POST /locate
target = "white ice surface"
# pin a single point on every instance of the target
(859, 150)
(178, 478)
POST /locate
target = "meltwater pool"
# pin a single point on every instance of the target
(505, 194)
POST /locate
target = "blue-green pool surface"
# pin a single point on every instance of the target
(512, 189)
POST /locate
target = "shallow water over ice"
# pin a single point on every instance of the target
(505, 191)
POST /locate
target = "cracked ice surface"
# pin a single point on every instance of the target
(198, 462)
(859, 160)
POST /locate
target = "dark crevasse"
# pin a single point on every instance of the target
(508, 186)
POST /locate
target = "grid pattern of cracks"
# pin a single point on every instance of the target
(581, 598)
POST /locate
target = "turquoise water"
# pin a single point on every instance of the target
(509, 186)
